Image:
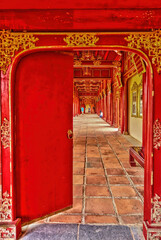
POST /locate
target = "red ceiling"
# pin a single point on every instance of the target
(78, 4)
(88, 76)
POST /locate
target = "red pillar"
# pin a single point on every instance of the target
(125, 109)
(122, 109)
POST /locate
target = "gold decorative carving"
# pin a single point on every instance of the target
(5, 210)
(156, 209)
(10, 43)
(77, 62)
(97, 62)
(7, 232)
(81, 39)
(116, 63)
(157, 134)
(154, 236)
(5, 133)
(151, 42)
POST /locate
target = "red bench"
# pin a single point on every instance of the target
(136, 154)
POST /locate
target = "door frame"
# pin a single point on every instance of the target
(7, 153)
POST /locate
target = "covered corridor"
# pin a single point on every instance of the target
(106, 189)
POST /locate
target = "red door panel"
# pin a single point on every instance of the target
(42, 103)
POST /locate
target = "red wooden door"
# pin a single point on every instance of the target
(42, 113)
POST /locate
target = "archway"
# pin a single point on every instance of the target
(6, 108)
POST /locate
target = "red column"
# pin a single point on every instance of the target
(125, 109)
(122, 109)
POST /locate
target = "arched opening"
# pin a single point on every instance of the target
(148, 80)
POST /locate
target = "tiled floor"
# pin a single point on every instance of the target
(106, 189)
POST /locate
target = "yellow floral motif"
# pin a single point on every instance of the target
(81, 39)
(151, 42)
(11, 42)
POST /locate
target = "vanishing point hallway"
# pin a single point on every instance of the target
(106, 189)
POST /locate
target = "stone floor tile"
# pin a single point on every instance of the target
(137, 233)
(116, 232)
(52, 232)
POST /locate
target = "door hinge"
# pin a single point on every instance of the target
(152, 93)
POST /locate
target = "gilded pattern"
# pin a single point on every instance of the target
(7, 232)
(10, 43)
(77, 62)
(157, 134)
(5, 210)
(156, 209)
(154, 236)
(151, 42)
(5, 133)
(81, 39)
(96, 62)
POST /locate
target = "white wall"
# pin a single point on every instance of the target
(134, 123)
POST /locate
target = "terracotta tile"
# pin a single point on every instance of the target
(77, 190)
(123, 191)
(132, 219)
(95, 179)
(112, 165)
(78, 171)
(118, 180)
(66, 219)
(99, 206)
(96, 191)
(138, 180)
(134, 172)
(77, 206)
(126, 164)
(77, 179)
(115, 171)
(109, 156)
(101, 219)
(94, 171)
(129, 206)
(79, 159)
(93, 155)
(78, 164)
(93, 159)
(141, 190)
(94, 164)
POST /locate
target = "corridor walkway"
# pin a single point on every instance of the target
(106, 189)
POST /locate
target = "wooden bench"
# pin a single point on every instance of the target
(136, 154)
